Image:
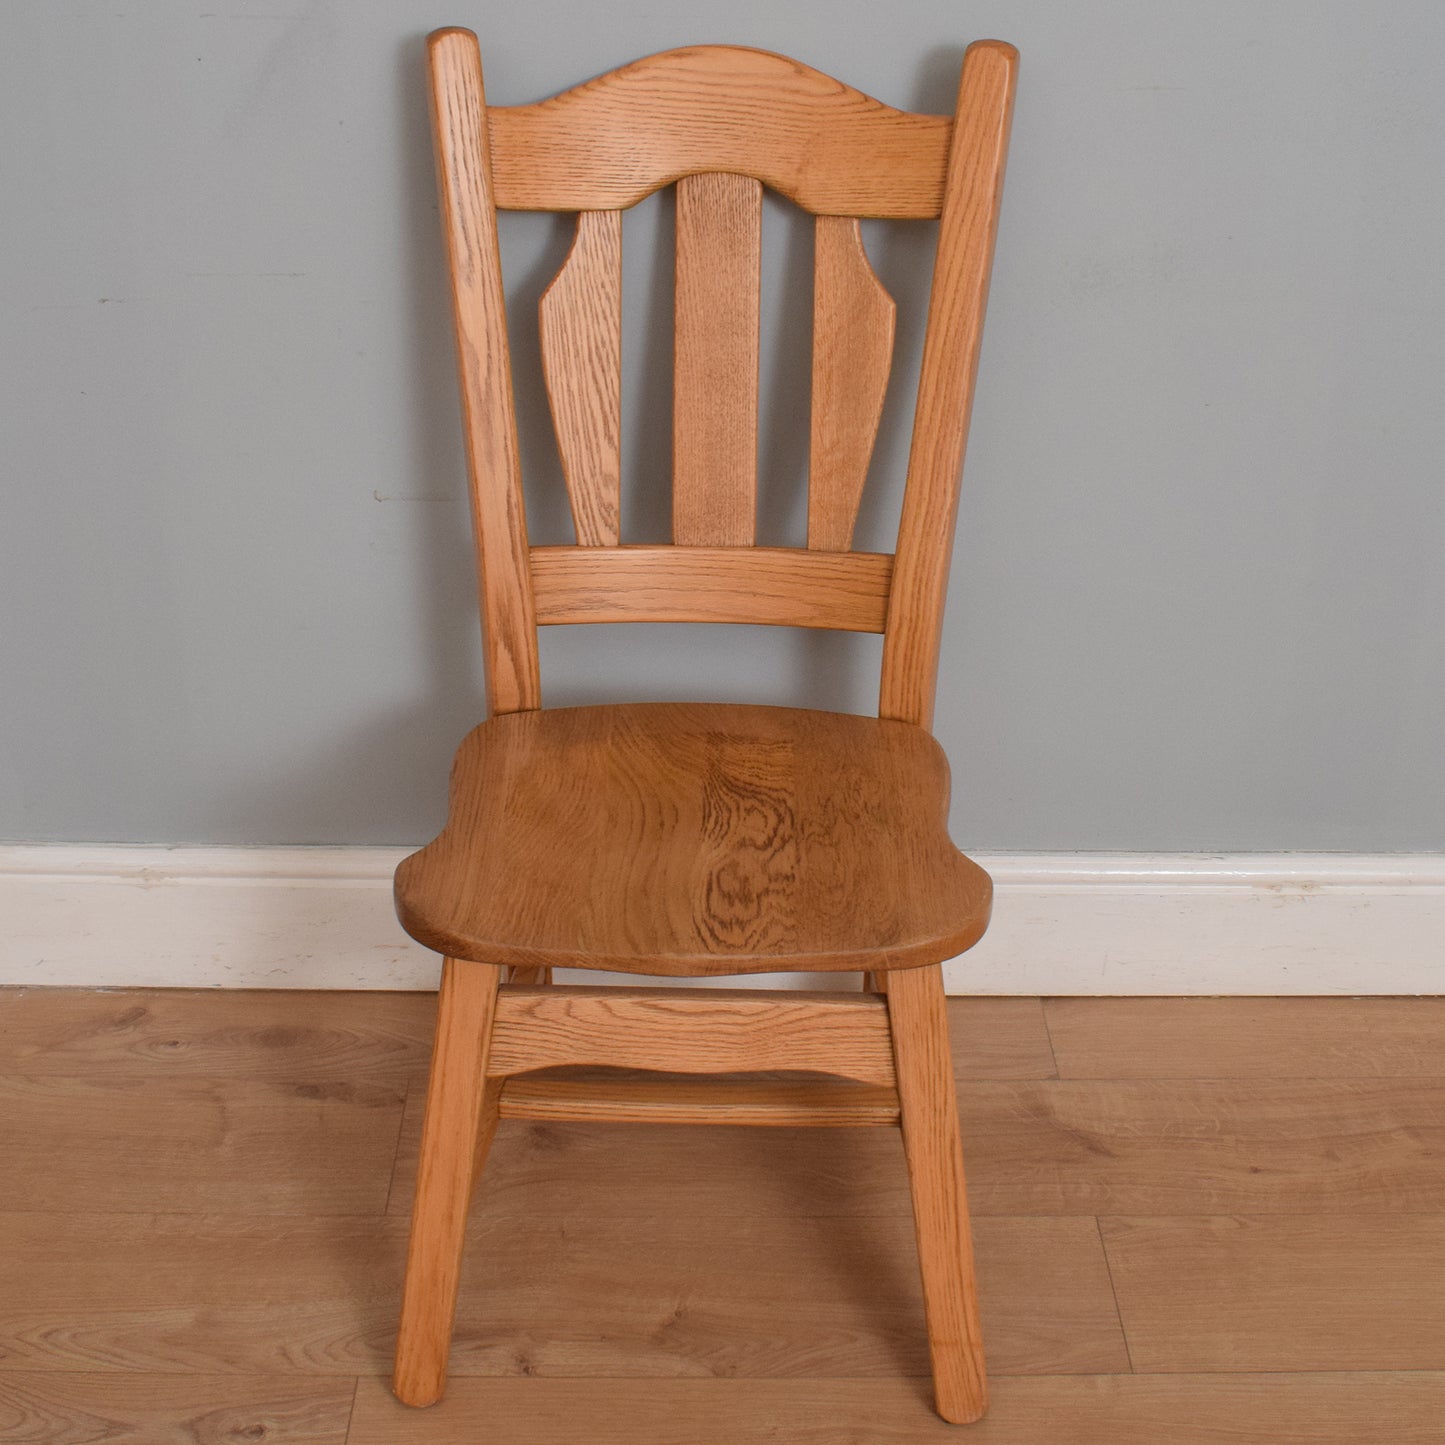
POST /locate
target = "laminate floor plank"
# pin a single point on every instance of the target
(282, 1035)
(1297, 1293)
(1000, 1038)
(1205, 1146)
(1248, 1038)
(123, 1144)
(201, 1294)
(1343, 1409)
(553, 1293)
(56, 1409)
(205, 1199)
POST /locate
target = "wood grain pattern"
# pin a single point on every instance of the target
(678, 838)
(228, 1294)
(945, 387)
(653, 1099)
(580, 321)
(461, 1115)
(715, 361)
(547, 1286)
(231, 1034)
(253, 1147)
(55, 1409)
(459, 125)
(762, 1281)
(929, 1112)
(709, 108)
(556, 1291)
(1206, 1147)
(703, 1031)
(1234, 1038)
(1256, 1409)
(853, 325)
(999, 1038)
(775, 586)
(1360, 1292)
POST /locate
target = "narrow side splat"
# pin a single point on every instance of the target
(580, 320)
(853, 326)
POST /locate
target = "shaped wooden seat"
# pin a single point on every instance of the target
(684, 839)
(696, 839)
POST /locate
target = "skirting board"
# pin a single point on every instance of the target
(1082, 923)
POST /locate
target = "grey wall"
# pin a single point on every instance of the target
(1198, 591)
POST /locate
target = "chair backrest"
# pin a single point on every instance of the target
(719, 122)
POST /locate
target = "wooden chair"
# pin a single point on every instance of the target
(686, 839)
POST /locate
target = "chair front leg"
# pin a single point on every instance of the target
(929, 1111)
(461, 1114)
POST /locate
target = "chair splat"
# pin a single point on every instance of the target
(853, 323)
(715, 374)
(580, 323)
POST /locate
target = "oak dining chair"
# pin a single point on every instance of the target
(684, 840)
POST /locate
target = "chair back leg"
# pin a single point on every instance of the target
(928, 1109)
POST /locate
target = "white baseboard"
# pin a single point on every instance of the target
(1081, 923)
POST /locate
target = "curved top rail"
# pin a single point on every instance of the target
(612, 141)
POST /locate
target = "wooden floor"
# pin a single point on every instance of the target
(1205, 1220)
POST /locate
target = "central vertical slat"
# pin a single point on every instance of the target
(715, 375)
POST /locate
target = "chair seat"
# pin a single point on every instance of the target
(694, 839)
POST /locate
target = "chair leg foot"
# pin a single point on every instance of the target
(929, 1110)
(460, 1118)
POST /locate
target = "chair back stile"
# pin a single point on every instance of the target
(719, 123)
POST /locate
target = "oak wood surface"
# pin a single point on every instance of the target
(678, 838)
(580, 325)
(720, 122)
(649, 1098)
(1253, 1409)
(853, 325)
(1305, 1292)
(459, 126)
(703, 1031)
(928, 1108)
(779, 586)
(945, 386)
(1235, 1038)
(608, 143)
(461, 1115)
(715, 360)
